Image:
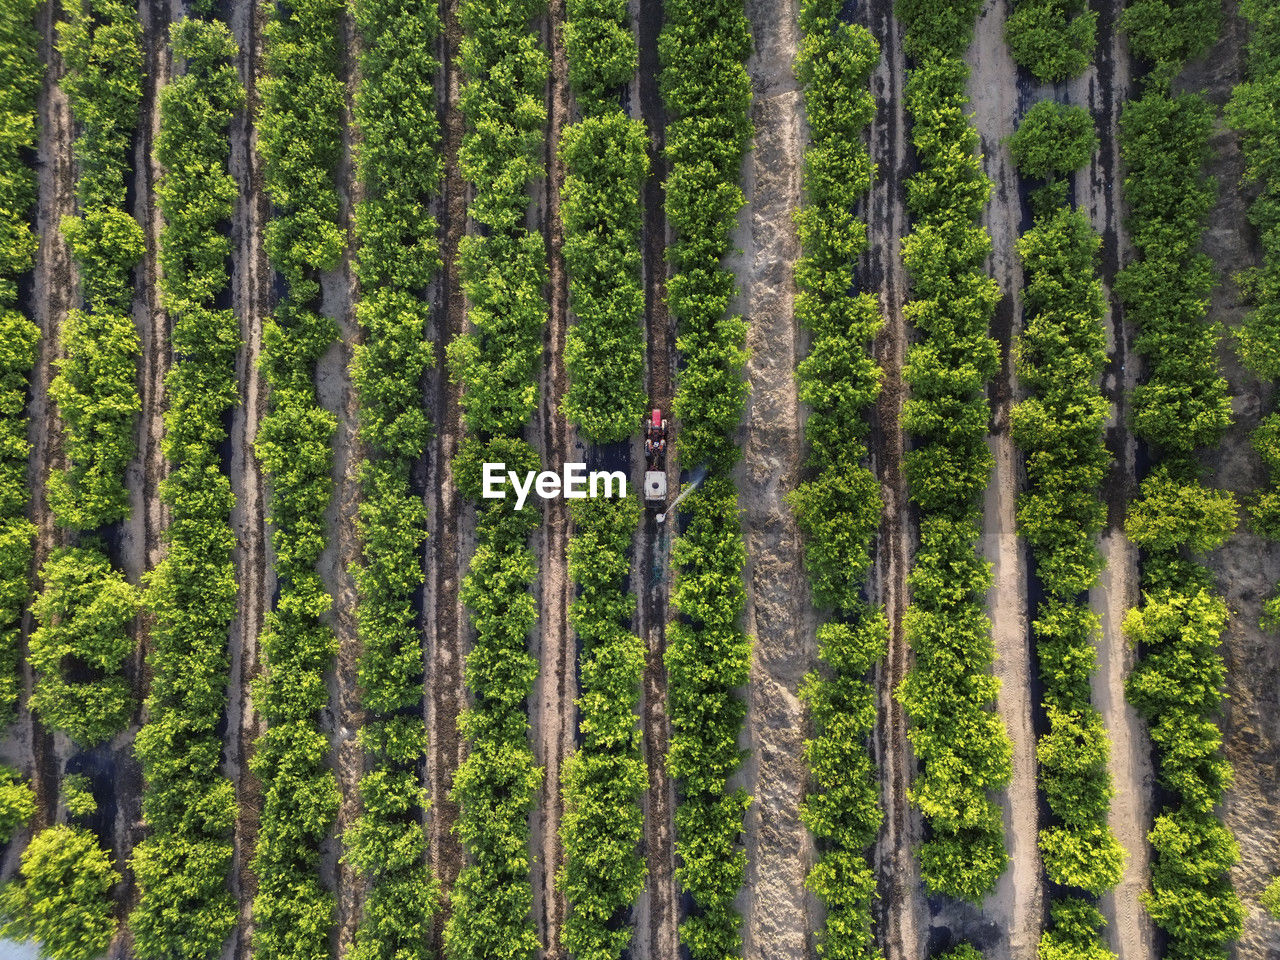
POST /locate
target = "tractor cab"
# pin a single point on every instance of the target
(655, 459)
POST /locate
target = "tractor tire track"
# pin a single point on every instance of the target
(552, 708)
(779, 913)
(903, 915)
(445, 636)
(658, 912)
(252, 300)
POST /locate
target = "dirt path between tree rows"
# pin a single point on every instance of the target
(251, 299)
(902, 918)
(139, 546)
(53, 295)
(1099, 193)
(1017, 905)
(552, 711)
(445, 636)
(345, 715)
(779, 914)
(658, 912)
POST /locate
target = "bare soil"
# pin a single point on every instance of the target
(658, 912)
(345, 715)
(778, 912)
(552, 708)
(445, 625)
(251, 299)
(139, 543)
(1103, 90)
(1017, 906)
(902, 918)
(53, 296)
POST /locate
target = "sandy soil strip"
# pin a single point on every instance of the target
(447, 519)
(658, 912)
(552, 711)
(1018, 903)
(251, 299)
(902, 920)
(777, 910)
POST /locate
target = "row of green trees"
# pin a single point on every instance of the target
(84, 617)
(949, 692)
(706, 90)
(87, 610)
(20, 75)
(1181, 408)
(185, 909)
(1061, 355)
(300, 140)
(604, 780)
(838, 506)
(503, 269)
(1254, 114)
(398, 165)
(606, 160)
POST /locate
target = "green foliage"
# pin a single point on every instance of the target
(959, 739)
(838, 508)
(605, 779)
(20, 76)
(1167, 33)
(1254, 112)
(502, 268)
(707, 94)
(1053, 140)
(300, 139)
(706, 91)
(1183, 406)
(1270, 898)
(708, 657)
(1059, 427)
(398, 163)
(1075, 934)
(937, 29)
(80, 645)
(185, 909)
(77, 797)
(496, 785)
(601, 50)
(1053, 39)
(17, 803)
(1172, 513)
(606, 159)
(63, 900)
(95, 389)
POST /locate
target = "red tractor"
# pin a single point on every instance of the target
(655, 459)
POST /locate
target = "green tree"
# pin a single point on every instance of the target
(17, 803)
(63, 897)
